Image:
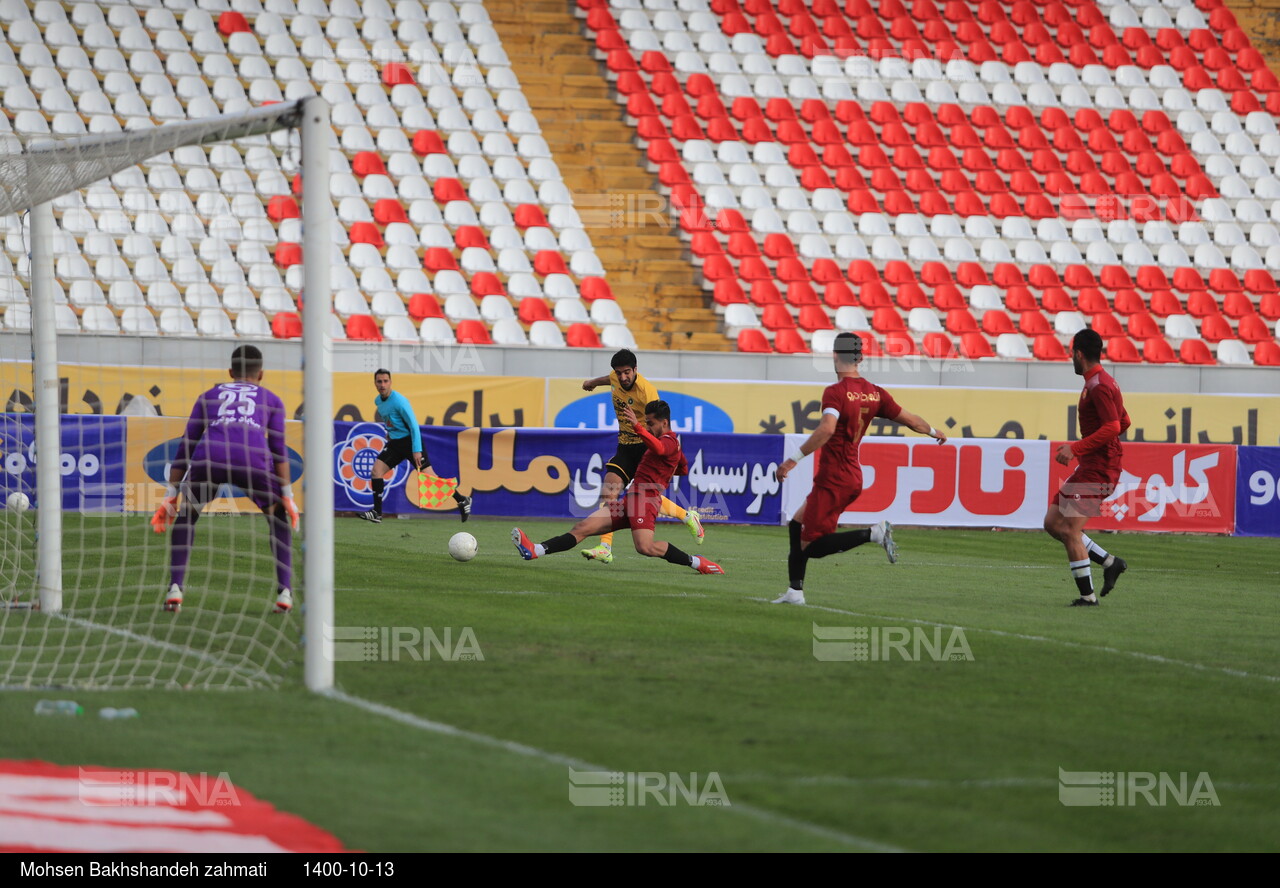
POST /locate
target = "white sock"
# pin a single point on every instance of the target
(539, 550)
(696, 561)
(1090, 597)
(1094, 549)
(877, 533)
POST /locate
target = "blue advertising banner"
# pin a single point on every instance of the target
(552, 473)
(1258, 491)
(92, 461)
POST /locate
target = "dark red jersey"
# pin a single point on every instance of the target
(661, 460)
(1102, 420)
(855, 402)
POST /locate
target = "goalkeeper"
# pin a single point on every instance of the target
(235, 436)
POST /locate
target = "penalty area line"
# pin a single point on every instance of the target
(510, 746)
(1137, 655)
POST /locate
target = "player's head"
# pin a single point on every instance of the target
(846, 351)
(382, 382)
(1086, 350)
(246, 363)
(657, 417)
(624, 364)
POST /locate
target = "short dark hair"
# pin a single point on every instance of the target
(1089, 343)
(246, 362)
(658, 410)
(623, 358)
(848, 348)
(381, 372)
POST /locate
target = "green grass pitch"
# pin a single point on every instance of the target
(641, 666)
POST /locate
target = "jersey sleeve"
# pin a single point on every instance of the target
(192, 434)
(415, 431)
(275, 429)
(833, 399)
(889, 408)
(664, 446)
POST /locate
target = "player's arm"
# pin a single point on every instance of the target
(920, 426)
(660, 446)
(168, 508)
(1112, 416)
(821, 435)
(592, 384)
(415, 431)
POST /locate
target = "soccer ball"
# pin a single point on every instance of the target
(462, 546)
(18, 502)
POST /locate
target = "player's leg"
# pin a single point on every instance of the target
(464, 502)
(688, 517)
(597, 522)
(1064, 522)
(796, 560)
(1112, 565)
(378, 482)
(196, 491)
(614, 481)
(654, 548)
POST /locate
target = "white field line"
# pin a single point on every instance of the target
(555, 758)
(933, 783)
(1105, 649)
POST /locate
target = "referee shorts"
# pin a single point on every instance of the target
(398, 450)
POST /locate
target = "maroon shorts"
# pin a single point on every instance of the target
(825, 504)
(1081, 495)
(638, 511)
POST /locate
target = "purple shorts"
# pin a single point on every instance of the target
(203, 480)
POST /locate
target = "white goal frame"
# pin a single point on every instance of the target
(311, 117)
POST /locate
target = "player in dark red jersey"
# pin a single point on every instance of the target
(638, 509)
(848, 406)
(1102, 420)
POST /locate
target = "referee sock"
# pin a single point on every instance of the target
(833, 543)
(797, 559)
(457, 497)
(378, 484)
(1097, 554)
(675, 556)
(562, 543)
(1083, 577)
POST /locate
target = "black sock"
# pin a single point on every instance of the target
(1083, 577)
(457, 497)
(838, 542)
(675, 556)
(379, 484)
(562, 543)
(797, 558)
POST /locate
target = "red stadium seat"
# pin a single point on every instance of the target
(1033, 323)
(899, 344)
(472, 333)
(425, 305)
(754, 341)
(995, 322)
(439, 259)
(470, 236)
(938, 345)
(1195, 351)
(838, 294)
(582, 335)
(1237, 305)
(530, 216)
(368, 163)
(1254, 329)
(814, 317)
(776, 316)
(486, 283)
(363, 328)
(1267, 354)
(1165, 303)
(1046, 347)
(286, 325)
(790, 342)
(232, 22)
(388, 210)
(428, 142)
(765, 293)
(1216, 328)
(396, 73)
(288, 254)
(282, 207)
(365, 233)
(974, 346)
(547, 262)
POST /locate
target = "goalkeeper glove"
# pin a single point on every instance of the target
(165, 513)
(290, 507)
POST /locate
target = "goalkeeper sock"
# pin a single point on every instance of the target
(1083, 577)
(1097, 554)
(378, 484)
(797, 559)
(675, 556)
(562, 543)
(833, 543)
(184, 531)
(606, 540)
(282, 548)
(671, 510)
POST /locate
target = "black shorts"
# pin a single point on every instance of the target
(625, 461)
(397, 451)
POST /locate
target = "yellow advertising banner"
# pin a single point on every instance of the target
(439, 399)
(781, 408)
(150, 443)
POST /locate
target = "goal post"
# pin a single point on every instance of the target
(29, 181)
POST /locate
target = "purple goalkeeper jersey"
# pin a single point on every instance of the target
(236, 425)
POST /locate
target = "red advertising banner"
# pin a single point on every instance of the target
(1167, 487)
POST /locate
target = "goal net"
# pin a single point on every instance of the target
(167, 247)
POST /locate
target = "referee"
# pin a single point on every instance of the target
(404, 441)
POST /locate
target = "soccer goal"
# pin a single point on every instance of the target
(134, 262)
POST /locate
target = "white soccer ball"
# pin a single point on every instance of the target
(462, 546)
(18, 502)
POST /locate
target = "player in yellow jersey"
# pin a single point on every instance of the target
(630, 389)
